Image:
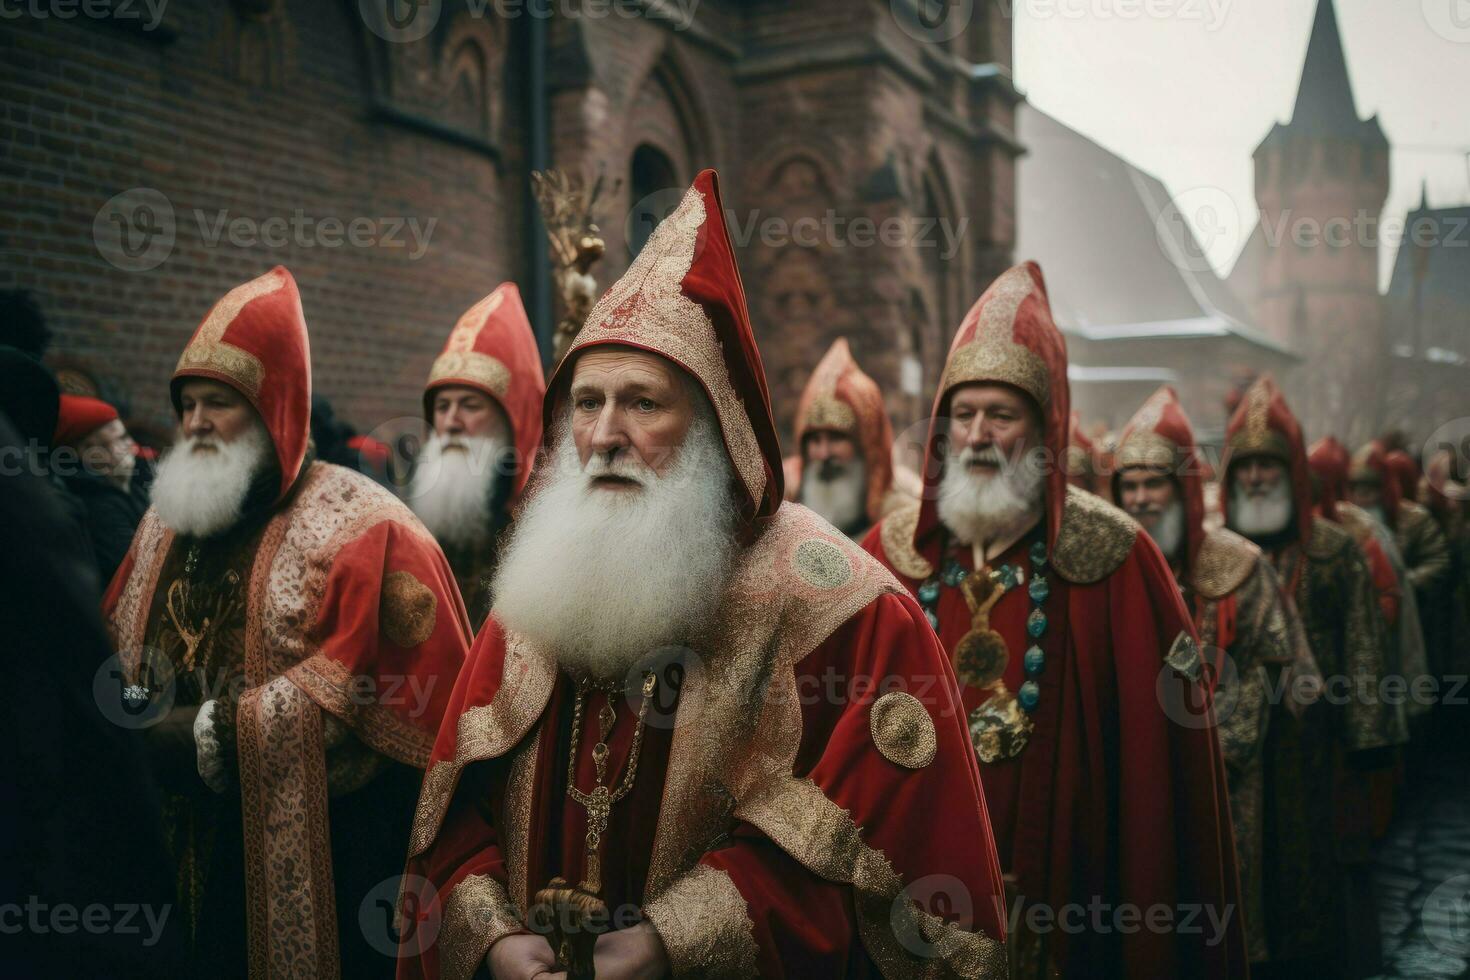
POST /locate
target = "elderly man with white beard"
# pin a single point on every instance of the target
(1318, 899)
(483, 402)
(1250, 633)
(1064, 625)
(290, 635)
(700, 726)
(844, 470)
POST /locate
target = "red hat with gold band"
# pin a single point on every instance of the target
(1008, 337)
(1329, 460)
(493, 350)
(1160, 437)
(682, 299)
(1264, 425)
(1370, 464)
(78, 417)
(254, 340)
(841, 398)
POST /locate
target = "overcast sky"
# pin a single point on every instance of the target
(1186, 94)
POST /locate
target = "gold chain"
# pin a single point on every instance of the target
(599, 802)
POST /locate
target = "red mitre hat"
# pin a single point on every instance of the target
(1405, 471)
(682, 299)
(841, 398)
(1159, 437)
(1263, 425)
(78, 417)
(1328, 459)
(492, 349)
(1372, 463)
(254, 340)
(1008, 337)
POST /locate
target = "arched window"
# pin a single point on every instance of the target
(652, 172)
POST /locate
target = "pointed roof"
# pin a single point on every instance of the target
(1324, 99)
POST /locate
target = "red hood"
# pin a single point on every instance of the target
(1263, 425)
(1328, 459)
(1159, 437)
(254, 340)
(1372, 462)
(1405, 471)
(1008, 337)
(682, 299)
(841, 398)
(492, 349)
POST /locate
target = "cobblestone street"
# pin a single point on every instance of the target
(1423, 879)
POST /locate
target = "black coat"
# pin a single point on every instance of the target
(112, 514)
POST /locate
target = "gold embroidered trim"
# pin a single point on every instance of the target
(407, 610)
(476, 914)
(129, 620)
(470, 367)
(647, 308)
(515, 836)
(1225, 560)
(902, 730)
(208, 351)
(486, 732)
(801, 820)
(705, 927)
(334, 687)
(897, 535)
(1147, 450)
(1094, 539)
(1327, 541)
(993, 354)
(830, 413)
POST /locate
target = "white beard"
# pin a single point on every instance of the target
(1259, 517)
(450, 491)
(203, 493)
(842, 499)
(1168, 530)
(603, 578)
(979, 506)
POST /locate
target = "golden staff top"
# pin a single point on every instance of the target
(576, 243)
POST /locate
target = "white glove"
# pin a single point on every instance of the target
(213, 765)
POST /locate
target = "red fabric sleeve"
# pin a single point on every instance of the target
(1385, 583)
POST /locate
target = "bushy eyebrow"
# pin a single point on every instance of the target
(629, 390)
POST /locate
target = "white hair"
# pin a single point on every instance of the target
(601, 578)
(1262, 514)
(980, 506)
(1167, 529)
(836, 491)
(452, 483)
(201, 493)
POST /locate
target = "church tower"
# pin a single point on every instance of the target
(1321, 181)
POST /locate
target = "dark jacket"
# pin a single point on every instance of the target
(112, 514)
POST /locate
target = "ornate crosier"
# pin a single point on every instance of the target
(192, 616)
(576, 243)
(579, 915)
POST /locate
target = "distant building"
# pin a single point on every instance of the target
(1129, 285)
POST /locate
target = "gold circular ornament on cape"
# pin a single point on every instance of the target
(902, 730)
(981, 657)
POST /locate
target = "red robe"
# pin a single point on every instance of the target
(773, 834)
(1110, 797)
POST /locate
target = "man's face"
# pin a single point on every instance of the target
(825, 446)
(462, 411)
(109, 450)
(995, 420)
(1367, 494)
(213, 412)
(628, 404)
(1259, 476)
(1146, 495)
